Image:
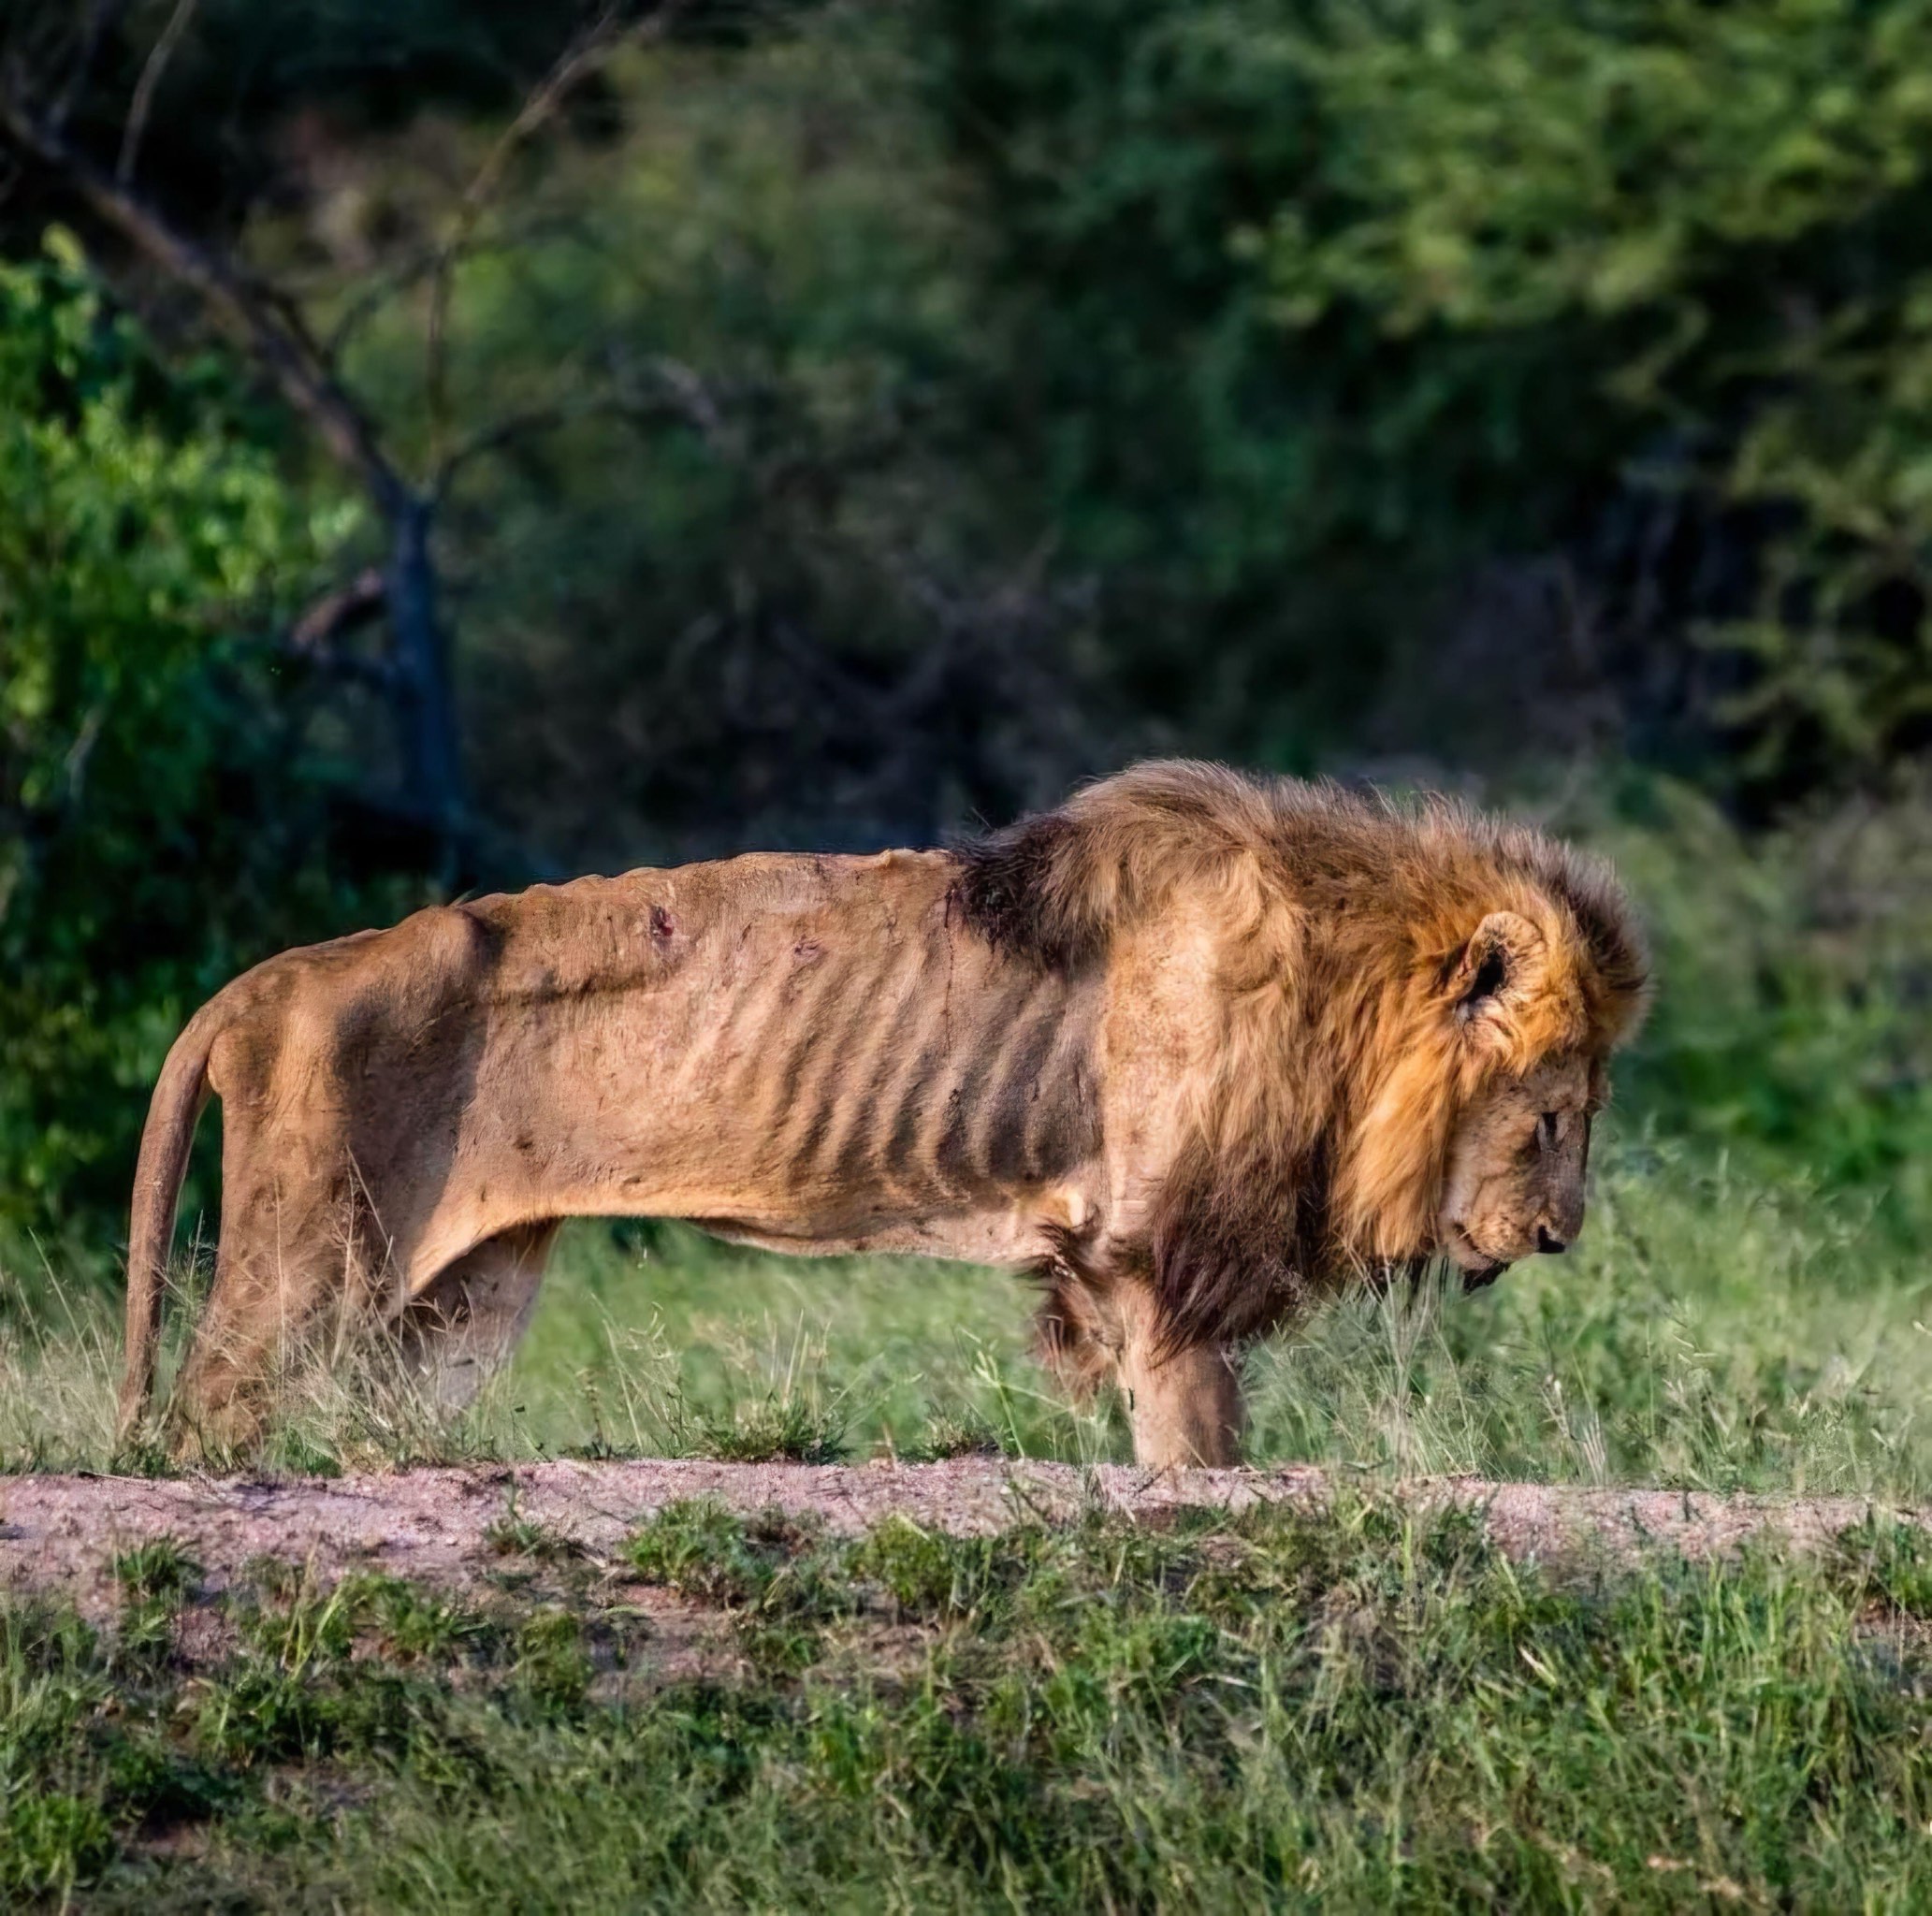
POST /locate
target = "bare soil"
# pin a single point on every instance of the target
(60, 1535)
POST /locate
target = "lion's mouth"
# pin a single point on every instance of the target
(1479, 1269)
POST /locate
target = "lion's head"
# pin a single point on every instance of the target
(1514, 1184)
(1532, 1048)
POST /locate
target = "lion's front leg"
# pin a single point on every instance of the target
(1186, 1409)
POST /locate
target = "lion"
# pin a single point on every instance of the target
(1196, 1049)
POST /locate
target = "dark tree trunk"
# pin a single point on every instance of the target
(431, 754)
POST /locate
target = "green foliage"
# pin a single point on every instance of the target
(699, 1548)
(1313, 293)
(157, 1572)
(158, 827)
(512, 1535)
(953, 1434)
(780, 1430)
(719, 576)
(1718, 218)
(1891, 1562)
(52, 1841)
(552, 1668)
(1257, 317)
(416, 1625)
(1790, 1020)
(931, 1576)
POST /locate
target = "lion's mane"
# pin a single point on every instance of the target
(1345, 929)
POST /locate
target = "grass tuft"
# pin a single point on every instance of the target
(950, 1433)
(510, 1535)
(773, 1432)
(160, 1571)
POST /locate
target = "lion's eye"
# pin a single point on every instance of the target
(1545, 1130)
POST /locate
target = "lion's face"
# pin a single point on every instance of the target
(1515, 1184)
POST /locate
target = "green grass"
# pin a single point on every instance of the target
(1708, 1331)
(1353, 1711)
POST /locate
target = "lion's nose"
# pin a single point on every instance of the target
(1548, 1243)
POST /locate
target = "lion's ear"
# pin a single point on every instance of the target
(1496, 975)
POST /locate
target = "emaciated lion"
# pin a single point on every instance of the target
(1196, 1049)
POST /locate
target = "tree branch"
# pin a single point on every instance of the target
(621, 399)
(506, 432)
(382, 284)
(314, 640)
(101, 18)
(155, 66)
(336, 613)
(279, 344)
(580, 59)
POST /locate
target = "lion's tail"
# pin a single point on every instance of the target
(180, 1093)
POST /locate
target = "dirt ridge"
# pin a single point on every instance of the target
(61, 1533)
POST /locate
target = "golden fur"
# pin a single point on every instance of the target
(1196, 1047)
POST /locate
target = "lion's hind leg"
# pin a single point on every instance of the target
(470, 1318)
(287, 1263)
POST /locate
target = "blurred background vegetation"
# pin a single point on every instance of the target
(444, 444)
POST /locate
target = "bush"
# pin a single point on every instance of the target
(160, 823)
(1793, 970)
